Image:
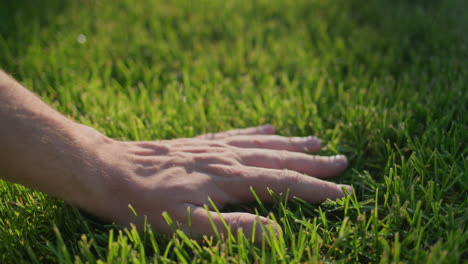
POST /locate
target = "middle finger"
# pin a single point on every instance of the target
(316, 166)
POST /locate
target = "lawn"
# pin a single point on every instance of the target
(384, 82)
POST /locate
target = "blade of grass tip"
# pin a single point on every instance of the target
(62, 249)
(341, 234)
(282, 204)
(228, 228)
(285, 198)
(92, 235)
(138, 243)
(273, 231)
(185, 239)
(323, 218)
(168, 248)
(285, 212)
(122, 244)
(254, 228)
(180, 246)
(257, 199)
(298, 244)
(274, 196)
(396, 248)
(133, 210)
(421, 233)
(169, 221)
(254, 232)
(196, 245)
(189, 220)
(111, 249)
(209, 240)
(135, 130)
(85, 246)
(343, 227)
(334, 246)
(128, 232)
(315, 239)
(154, 244)
(213, 226)
(417, 215)
(305, 206)
(241, 246)
(345, 200)
(354, 199)
(275, 241)
(145, 227)
(374, 219)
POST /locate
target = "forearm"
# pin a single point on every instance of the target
(42, 149)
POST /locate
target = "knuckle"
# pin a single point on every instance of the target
(239, 221)
(223, 170)
(257, 142)
(161, 149)
(144, 161)
(244, 140)
(219, 145)
(216, 158)
(236, 221)
(182, 159)
(156, 148)
(237, 154)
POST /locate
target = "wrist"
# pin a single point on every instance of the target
(43, 150)
(90, 162)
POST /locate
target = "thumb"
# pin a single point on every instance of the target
(206, 222)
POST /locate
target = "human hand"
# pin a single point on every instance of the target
(46, 151)
(174, 175)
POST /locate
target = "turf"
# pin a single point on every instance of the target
(384, 82)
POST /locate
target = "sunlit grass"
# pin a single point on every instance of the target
(384, 82)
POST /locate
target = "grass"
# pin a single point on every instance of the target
(384, 82)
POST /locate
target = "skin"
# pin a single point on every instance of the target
(44, 150)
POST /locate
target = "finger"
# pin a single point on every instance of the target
(296, 144)
(205, 222)
(316, 166)
(260, 130)
(307, 188)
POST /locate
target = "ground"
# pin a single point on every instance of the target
(384, 82)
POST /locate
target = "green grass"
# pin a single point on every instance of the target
(384, 82)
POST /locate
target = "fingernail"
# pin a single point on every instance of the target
(314, 142)
(313, 138)
(341, 161)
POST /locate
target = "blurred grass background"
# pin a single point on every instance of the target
(383, 82)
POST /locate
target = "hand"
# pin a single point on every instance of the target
(46, 151)
(173, 175)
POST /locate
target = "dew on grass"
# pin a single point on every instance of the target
(81, 39)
